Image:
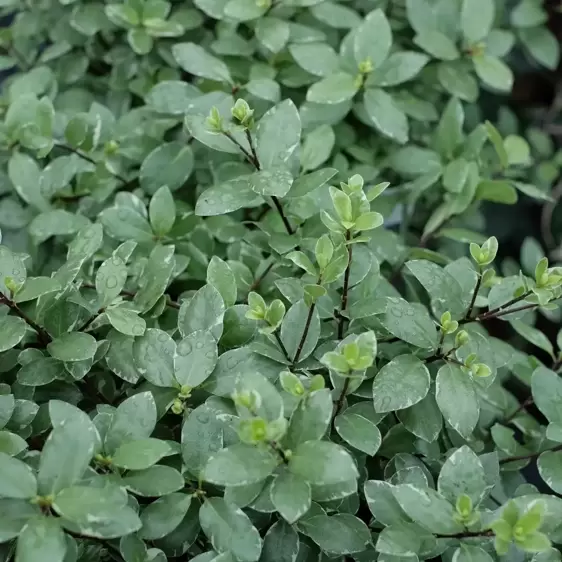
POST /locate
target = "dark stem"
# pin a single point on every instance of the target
(259, 279)
(522, 406)
(506, 312)
(529, 456)
(473, 300)
(87, 158)
(279, 451)
(281, 346)
(305, 333)
(341, 399)
(252, 158)
(345, 292)
(131, 295)
(253, 149)
(501, 310)
(281, 212)
(42, 334)
(467, 535)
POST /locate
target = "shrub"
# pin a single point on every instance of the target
(248, 292)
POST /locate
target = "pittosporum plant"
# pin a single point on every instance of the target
(249, 300)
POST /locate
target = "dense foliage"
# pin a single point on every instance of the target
(247, 285)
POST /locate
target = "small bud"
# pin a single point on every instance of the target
(249, 399)
(242, 112)
(214, 121)
(257, 306)
(317, 382)
(366, 66)
(111, 147)
(355, 182)
(185, 392)
(11, 285)
(485, 254)
(480, 370)
(489, 278)
(275, 313)
(177, 406)
(464, 505)
(448, 326)
(291, 383)
(253, 430)
(461, 338)
(264, 4)
(324, 251)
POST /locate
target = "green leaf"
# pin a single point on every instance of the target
(164, 515)
(339, 534)
(195, 60)
(7, 406)
(271, 182)
(110, 279)
(230, 530)
(462, 473)
(162, 211)
(443, 288)
(66, 455)
(12, 331)
(171, 96)
(135, 418)
(240, 465)
(546, 387)
(336, 88)
(477, 18)
(533, 335)
(96, 512)
(319, 59)
(449, 133)
(280, 544)
(471, 553)
(457, 399)
(201, 437)
(16, 479)
(154, 357)
(272, 33)
(158, 480)
(493, 72)
(317, 147)
(310, 419)
(195, 358)
(226, 198)
(398, 68)
(205, 311)
(41, 539)
(542, 45)
(499, 191)
(141, 454)
(322, 463)
(34, 287)
(373, 39)
(385, 115)
(41, 372)
(427, 508)
(359, 432)
(126, 321)
(220, 276)
(458, 80)
(169, 165)
(437, 44)
(550, 469)
(140, 41)
(310, 182)
(11, 266)
(244, 10)
(410, 323)
(292, 330)
(403, 382)
(423, 419)
(290, 495)
(277, 135)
